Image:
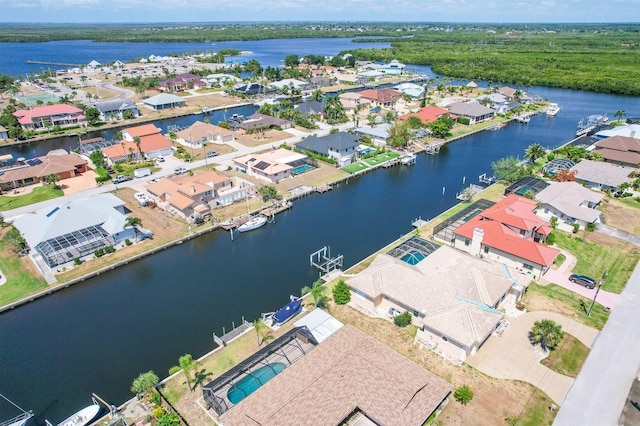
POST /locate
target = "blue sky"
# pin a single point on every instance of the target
(85, 11)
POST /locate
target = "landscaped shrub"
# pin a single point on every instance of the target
(98, 252)
(576, 228)
(463, 394)
(402, 320)
(341, 293)
(590, 227)
(464, 120)
(127, 242)
(109, 249)
(77, 261)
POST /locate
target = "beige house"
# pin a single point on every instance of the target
(352, 101)
(58, 162)
(200, 133)
(192, 197)
(452, 297)
(570, 202)
(272, 166)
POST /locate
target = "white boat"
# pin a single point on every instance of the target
(553, 109)
(18, 420)
(253, 223)
(523, 119)
(82, 417)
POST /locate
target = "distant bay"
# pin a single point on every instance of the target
(267, 52)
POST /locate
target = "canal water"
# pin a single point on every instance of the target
(98, 336)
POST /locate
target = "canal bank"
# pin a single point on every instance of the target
(99, 336)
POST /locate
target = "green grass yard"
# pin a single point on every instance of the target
(20, 281)
(38, 194)
(593, 259)
(568, 357)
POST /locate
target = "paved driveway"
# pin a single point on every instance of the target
(560, 276)
(512, 356)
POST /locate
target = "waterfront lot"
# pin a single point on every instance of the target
(621, 214)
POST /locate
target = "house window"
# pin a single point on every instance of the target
(207, 194)
(467, 242)
(486, 249)
(416, 313)
(527, 267)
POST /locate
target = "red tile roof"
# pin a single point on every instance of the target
(144, 130)
(154, 142)
(118, 150)
(429, 113)
(498, 223)
(381, 95)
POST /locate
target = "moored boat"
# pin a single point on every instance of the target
(82, 417)
(18, 420)
(287, 312)
(553, 109)
(253, 223)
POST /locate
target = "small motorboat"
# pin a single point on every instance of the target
(82, 417)
(253, 223)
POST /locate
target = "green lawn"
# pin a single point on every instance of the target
(536, 412)
(558, 299)
(355, 167)
(568, 357)
(38, 194)
(594, 259)
(379, 159)
(20, 281)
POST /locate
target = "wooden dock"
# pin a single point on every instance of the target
(323, 188)
(275, 209)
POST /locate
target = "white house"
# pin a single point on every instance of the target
(570, 202)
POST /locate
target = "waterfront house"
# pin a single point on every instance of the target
(190, 197)
(602, 176)
(289, 83)
(629, 130)
(508, 92)
(384, 98)
(182, 82)
(272, 166)
(349, 377)
(49, 116)
(4, 134)
(260, 122)
(474, 111)
(74, 229)
(123, 151)
(429, 114)
(164, 101)
(622, 150)
(341, 146)
(379, 133)
(352, 101)
(570, 202)
(310, 108)
(200, 133)
(251, 89)
(58, 162)
(394, 67)
(452, 297)
(411, 89)
(114, 109)
(509, 232)
(152, 142)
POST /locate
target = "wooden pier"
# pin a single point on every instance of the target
(323, 188)
(277, 208)
(467, 193)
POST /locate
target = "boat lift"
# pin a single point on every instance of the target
(322, 260)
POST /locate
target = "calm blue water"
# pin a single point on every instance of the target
(267, 52)
(97, 337)
(249, 384)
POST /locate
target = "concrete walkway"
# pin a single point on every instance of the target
(512, 356)
(600, 391)
(560, 277)
(618, 233)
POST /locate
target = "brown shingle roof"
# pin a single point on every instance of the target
(348, 371)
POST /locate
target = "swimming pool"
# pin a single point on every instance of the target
(367, 150)
(252, 382)
(413, 258)
(301, 169)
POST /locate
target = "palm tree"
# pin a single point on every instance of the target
(620, 113)
(534, 151)
(316, 95)
(187, 363)
(260, 334)
(136, 140)
(547, 333)
(317, 291)
(133, 222)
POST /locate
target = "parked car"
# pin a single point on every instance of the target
(583, 280)
(142, 198)
(121, 179)
(180, 170)
(211, 154)
(160, 159)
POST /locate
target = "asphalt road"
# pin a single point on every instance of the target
(598, 395)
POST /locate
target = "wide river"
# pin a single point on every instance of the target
(98, 336)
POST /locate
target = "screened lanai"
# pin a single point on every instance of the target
(64, 248)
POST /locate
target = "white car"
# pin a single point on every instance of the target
(160, 159)
(180, 170)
